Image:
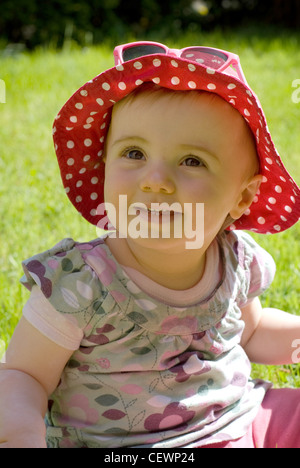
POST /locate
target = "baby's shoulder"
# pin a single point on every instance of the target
(240, 248)
(57, 263)
(247, 263)
(64, 276)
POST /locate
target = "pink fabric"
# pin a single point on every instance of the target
(277, 424)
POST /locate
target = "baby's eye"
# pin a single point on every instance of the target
(192, 161)
(133, 153)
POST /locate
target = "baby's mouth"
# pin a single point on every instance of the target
(154, 214)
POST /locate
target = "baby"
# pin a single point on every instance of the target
(144, 336)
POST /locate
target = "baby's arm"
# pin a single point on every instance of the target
(269, 334)
(30, 372)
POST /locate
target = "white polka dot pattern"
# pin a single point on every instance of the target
(80, 129)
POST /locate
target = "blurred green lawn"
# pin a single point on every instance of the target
(34, 211)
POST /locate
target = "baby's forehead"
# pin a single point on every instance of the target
(153, 97)
(193, 114)
(150, 95)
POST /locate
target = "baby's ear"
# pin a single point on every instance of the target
(246, 197)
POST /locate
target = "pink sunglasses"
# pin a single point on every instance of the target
(209, 57)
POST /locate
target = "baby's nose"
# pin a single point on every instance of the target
(157, 179)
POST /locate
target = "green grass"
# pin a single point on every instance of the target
(34, 210)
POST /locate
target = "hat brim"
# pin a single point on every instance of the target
(80, 129)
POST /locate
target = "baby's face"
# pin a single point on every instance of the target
(180, 148)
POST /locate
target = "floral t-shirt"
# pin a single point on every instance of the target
(148, 374)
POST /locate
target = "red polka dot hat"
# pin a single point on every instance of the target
(80, 128)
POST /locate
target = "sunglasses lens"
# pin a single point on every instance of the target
(141, 50)
(206, 56)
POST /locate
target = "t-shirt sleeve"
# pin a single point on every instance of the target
(65, 293)
(59, 328)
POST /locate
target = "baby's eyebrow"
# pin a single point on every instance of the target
(201, 148)
(129, 138)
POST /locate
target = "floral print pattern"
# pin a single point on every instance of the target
(175, 415)
(147, 374)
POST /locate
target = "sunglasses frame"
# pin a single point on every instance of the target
(231, 67)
